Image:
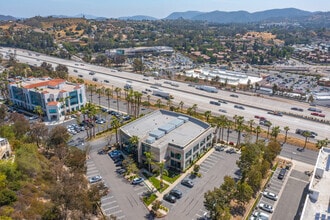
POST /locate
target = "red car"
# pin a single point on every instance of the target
(322, 115)
(315, 113)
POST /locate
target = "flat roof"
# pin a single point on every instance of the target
(180, 136)
(320, 208)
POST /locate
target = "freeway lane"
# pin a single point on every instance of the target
(189, 95)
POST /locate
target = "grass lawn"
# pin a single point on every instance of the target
(150, 199)
(171, 179)
(156, 183)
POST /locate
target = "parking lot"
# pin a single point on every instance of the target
(213, 169)
(123, 199)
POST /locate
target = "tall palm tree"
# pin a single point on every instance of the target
(306, 134)
(159, 102)
(258, 130)
(149, 159)
(239, 128)
(181, 105)
(115, 124)
(137, 102)
(275, 131)
(207, 115)
(99, 92)
(169, 103)
(286, 129)
(251, 123)
(93, 110)
(129, 99)
(148, 97)
(268, 124)
(118, 92)
(91, 88)
(228, 125)
(194, 108)
(107, 92)
(223, 121)
(134, 142)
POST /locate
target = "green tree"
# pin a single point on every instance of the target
(181, 105)
(286, 129)
(118, 92)
(115, 124)
(149, 159)
(207, 115)
(258, 130)
(38, 110)
(160, 167)
(243, 193)
(306, 134)
(275, 131)
(159, 102)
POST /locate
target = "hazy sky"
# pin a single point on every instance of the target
(154, 8)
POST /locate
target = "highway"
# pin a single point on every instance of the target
(189, 95)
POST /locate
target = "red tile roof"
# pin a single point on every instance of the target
(53, 82)
(52, 103)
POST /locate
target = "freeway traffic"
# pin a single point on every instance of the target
(253, 105)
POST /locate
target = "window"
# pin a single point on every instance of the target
(188, 154)
(52, 111)
(196, 148)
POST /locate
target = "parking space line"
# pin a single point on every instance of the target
(109, 203)
(112, 207)
(104, 199)
(121, 217)
(116, 212)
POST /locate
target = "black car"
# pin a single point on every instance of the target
(168, 197)
(176, 193)
(187, 183)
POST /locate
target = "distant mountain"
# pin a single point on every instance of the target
(240, 16)
(7, 18)
(185, 15)
(90, 17)
(138, 18)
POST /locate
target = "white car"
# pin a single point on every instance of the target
(266, 207)
(270, 195)
(259, 216)
(95, 179)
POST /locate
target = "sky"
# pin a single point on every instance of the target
(153, 8)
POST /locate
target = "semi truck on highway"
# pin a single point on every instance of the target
(161, 93)
(207, 88)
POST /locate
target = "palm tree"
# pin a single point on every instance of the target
(239, 128)
(322, 143)
(207, 115)
(275, 131)
(169, 103)
(194, 108)
(223, 121)
(148, 97)
(92, 111)
(258, 130)
(286, 129)
(268, 124)
(38, 110)
(162, 171)
(107, 92)
(181, 105)
(118, 91)
(228, 125)
(306, 134)
(251, 123)
(137, 101)
(159, 102)
(149, 159)
(99, 92)
(91, 88)
(115, 124)
(134, 142)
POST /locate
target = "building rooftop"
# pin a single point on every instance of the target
(161, 127)
(317, 204)
(47, 85)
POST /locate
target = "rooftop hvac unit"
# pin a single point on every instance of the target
(185, 119)
(157, 134)
(167, 128)
(150, 140)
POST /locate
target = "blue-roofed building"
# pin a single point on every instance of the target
(175, 138)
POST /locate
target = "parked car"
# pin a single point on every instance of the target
(266, 207)
(281, 174)
(121, 171)
(231, 151)
(233, 95)
(137, 180)
(176, 193)
(259, 216)
(270, 195)
(114, 153)
(219, 148)
(168, 197)
(187, 183)
(297, 109)
(106, 81)
(95, 179)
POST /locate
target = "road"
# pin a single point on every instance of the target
(189, 95)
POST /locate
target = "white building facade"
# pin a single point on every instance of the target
(56, 97)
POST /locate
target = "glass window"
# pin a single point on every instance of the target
(188, 154)
(196, 148)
